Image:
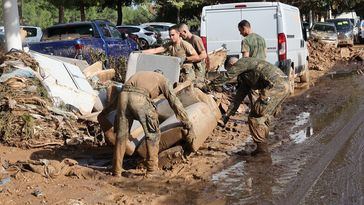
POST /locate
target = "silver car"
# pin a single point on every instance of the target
(324, 32)
(345, 31)
(146, 38)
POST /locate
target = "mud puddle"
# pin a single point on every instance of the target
(321, 138)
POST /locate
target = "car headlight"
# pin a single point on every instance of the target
(349, 34)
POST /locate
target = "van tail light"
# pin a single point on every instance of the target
(204, 41)
(282, 47)
(78, 46)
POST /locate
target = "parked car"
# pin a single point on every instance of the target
(76, 40)
(361, 31)
(34, 34)
(129, 35)
(2, 40)
(324, 32)
(345, 31)
(146, 38)
(279, 24)
(162, 28)
(157, 35)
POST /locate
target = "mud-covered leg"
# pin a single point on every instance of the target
(151, 129)
(122, 135)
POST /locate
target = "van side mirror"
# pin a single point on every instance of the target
(304, 33)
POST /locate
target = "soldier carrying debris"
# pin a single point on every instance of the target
(179, 48)
(273, 86)
(196, 42)
(135, 102)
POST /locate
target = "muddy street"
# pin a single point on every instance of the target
(321, 163)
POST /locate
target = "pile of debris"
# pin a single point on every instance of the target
(325, 56)
(28, 117)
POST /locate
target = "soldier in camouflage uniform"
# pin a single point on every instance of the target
(196, 42)
(253, 45)
(135, 102)
(273, 86)
(179, 48)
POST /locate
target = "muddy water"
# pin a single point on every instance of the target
(323, 164)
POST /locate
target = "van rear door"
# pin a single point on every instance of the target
(222, 28)
(264, 22)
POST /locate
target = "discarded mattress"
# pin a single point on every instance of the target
(170, 66)
(65, 83)
(203, 121)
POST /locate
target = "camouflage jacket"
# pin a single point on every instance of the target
(257, 74)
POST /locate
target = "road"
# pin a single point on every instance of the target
(322, 163)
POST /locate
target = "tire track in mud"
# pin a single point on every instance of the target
(343, 180)
(325, 149)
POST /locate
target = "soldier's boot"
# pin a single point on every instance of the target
(262, 148)
(248, 149)
(152, 155)
(119, 152)
(262, 154)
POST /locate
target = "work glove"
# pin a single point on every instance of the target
(224, 119)
(188, 132)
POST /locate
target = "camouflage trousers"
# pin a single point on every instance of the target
(264, 108)
(187, 73)
(134, 104)
(200, 70)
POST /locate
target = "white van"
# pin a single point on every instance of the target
(279, 24)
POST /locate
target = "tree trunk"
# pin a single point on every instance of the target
(120, 12)
(61, 14)
(178, 15)
(82, 11)
(20, 9)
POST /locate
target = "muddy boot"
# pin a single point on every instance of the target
(152, 155)
(262, 148)
(261, 154)
(119, 152)
(248, 149)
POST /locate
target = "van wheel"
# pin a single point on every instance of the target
(291, 80)
(305, 77)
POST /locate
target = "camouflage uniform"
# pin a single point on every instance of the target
(135, 102)
(255, 45)
(199, 67)
(182, 50)
(269, 80)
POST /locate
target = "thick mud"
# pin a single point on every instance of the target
(317, 158)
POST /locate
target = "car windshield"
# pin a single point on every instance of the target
(324, 28)
(80, 30)
(150, 28)
(343, 25)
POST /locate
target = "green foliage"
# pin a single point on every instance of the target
(39, 13)
(138, 15)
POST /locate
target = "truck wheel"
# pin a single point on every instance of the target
(291, 80)
(143, 44)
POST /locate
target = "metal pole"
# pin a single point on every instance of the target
(11, 25)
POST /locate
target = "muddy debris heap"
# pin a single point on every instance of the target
(28, 117)
(324, 56)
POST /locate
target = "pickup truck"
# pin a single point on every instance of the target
(76, 40)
